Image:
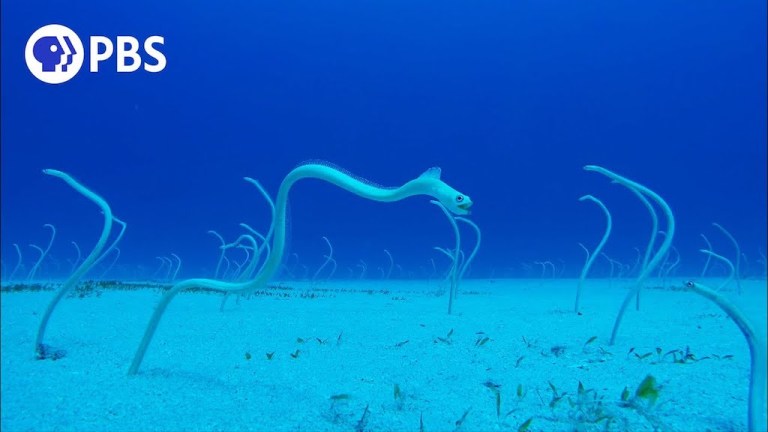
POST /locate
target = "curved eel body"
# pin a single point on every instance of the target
(429, 184)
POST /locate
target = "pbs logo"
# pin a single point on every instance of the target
(55, 54)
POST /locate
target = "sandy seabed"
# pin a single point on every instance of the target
(340, 349)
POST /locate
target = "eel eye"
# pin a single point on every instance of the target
(689, 284)
(459, 198)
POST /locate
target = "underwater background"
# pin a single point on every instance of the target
(510, 98)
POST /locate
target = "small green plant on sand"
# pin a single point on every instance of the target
(399, 397)
(481, 340)
(586, 410)
(648, 390)
(556, 397)
(461, 420)
(363, 422)
(339, 411)
(588, 343)
(521, 392)
(529, 343)
(446, 340)
(525, 425)
(587, 407)
(496, 389)
(644, 401)
(518, 361)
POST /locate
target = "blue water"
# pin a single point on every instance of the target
(510, 99)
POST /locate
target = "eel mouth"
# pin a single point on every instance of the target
(465, 207)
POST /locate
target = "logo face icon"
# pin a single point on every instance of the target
(54, 54)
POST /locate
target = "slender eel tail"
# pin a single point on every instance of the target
(757, 378)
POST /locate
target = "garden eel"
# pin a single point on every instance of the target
(42, 350)
(429, 183)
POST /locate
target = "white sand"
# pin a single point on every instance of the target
(195, 375)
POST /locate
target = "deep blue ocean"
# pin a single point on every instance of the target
(510, 98)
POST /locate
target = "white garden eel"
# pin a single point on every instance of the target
(428, 184)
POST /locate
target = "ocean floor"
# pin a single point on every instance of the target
(381, 356)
